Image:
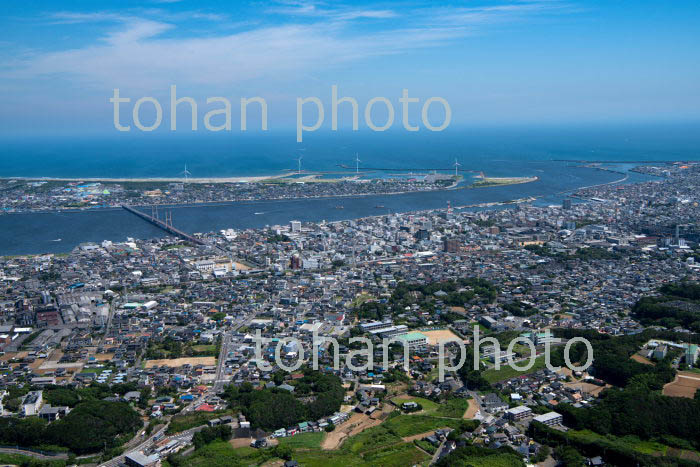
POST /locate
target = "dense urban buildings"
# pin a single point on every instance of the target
(163, 331)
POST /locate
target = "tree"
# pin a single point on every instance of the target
(61, 397)
(542, 454)
(283, 451)
(92, 425)
(218, 316)
(569, 456)
(210, 434)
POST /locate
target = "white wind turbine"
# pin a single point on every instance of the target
(299, 164)
(186, 173)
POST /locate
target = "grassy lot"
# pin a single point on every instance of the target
(375, 446)
(506, 372)
(632, 442)
(453, 408)
(409, 425)
(222, 454)
(520, 349)
(396, 456)
(425, 446)
(185, 422)
(360, 299)
(304, 441)
(435, 372)
(370, 439)
(318, 458)
(428, 406)
(205, 350)
(18, 459)
(498, 460)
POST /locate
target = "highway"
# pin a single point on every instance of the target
(119, 460)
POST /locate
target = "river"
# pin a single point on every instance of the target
(38, 232)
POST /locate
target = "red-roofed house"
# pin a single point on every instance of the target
(205, 408)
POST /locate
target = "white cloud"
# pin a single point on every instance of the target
(337, 13)
(135, 54)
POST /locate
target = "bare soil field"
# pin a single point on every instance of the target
(49, 365)
(592, 389)
(588, 388)
(356, 424)
(685, 385)
(103, 357)
(273, 463)
(408, 439)
(638, 358)
(241, 442)
(442, 334)
(396, 388)
(36, 364)
(472, 410)
(10, 355)
(177, 362)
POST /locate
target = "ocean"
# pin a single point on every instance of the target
(499, 152)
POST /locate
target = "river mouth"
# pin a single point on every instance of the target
(35, 232)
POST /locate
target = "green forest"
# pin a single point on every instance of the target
(677, 305)
(90, 427)
(275, 408)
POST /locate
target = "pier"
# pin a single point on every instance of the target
(167, 226)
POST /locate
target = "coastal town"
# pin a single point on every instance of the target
(21, 195)
(155, 341)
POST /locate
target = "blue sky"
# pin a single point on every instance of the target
(496, 62)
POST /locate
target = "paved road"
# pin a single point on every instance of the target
(221, 364)
(119, 460)
(36, 455)
(221, 379)
(219, 384)
(185, 437)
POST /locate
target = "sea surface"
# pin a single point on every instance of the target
(521, 152)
